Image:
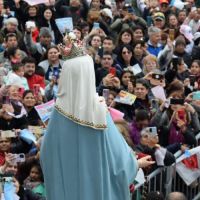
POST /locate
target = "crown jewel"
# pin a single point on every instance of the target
(72, 47)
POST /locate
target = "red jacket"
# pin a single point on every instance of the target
(35, 79)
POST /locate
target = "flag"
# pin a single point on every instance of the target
(188, 166)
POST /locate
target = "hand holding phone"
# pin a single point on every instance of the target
(36, 89)
(6, 100)
(112, 71)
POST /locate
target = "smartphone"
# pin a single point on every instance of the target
(56, 74)
(20, 157)
(21, 91)
(112, 71)
(155, 104)
(171, 34)
(177, 101)
(196, 95)
(158, 76)
(6, 100)
(106, 94)
(153, 130)
(36, 89)
(149, 21)
(181, 114)
(96, 25)
(175, 63)
(192, 79)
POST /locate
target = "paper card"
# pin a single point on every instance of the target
(8, 134)
(160, 156)
(36, 2)
(27, 136)
(140, 177)
(136, 69)
(159, 92)
(125, 98)
(44, 110)
(64, 24)
(116, 114)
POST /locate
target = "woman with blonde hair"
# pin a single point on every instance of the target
(149, 63)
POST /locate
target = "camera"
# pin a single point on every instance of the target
(158, 76)
(177, 101)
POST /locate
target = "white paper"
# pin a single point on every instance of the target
(159, 92)
(36, 2)
(160, 156)
(136, 69)
(140, 177)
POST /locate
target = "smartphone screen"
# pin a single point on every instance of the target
(112, 71)
(149, 21)
(36, 89)
(96, 25)
(181, 114)
(175, 63)
(153, 130)
(21, 91)
(192, 79)
(106, 94)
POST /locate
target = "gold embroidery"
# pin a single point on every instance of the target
(79, 121)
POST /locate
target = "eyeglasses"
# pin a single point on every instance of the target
(126, 52)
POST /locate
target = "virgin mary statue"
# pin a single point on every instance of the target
(83, 155)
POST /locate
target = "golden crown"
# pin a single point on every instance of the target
(72, 47)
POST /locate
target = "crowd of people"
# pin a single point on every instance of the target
(136, 46)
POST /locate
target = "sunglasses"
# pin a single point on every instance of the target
(126, 52)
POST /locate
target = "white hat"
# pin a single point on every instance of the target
(187, 32)
(108, 12)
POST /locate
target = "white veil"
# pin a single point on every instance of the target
(77, 97)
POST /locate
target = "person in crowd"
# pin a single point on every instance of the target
(159, 20)
(141, 121)
(38, 49)
(29, 101)
(51, 63)
(138, 33)
(127, 81)
(150, 63)
(30, 70)
(174, 121)
(106, 68)
(125, 57)
(176, 196)
(16, 77)
(51, 89)
(10, 42)
(149, 145)
(76, 9)
(34, 181)
(154, 46)
(11, 26)
(48, 20)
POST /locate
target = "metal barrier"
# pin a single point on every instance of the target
(166, 180)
